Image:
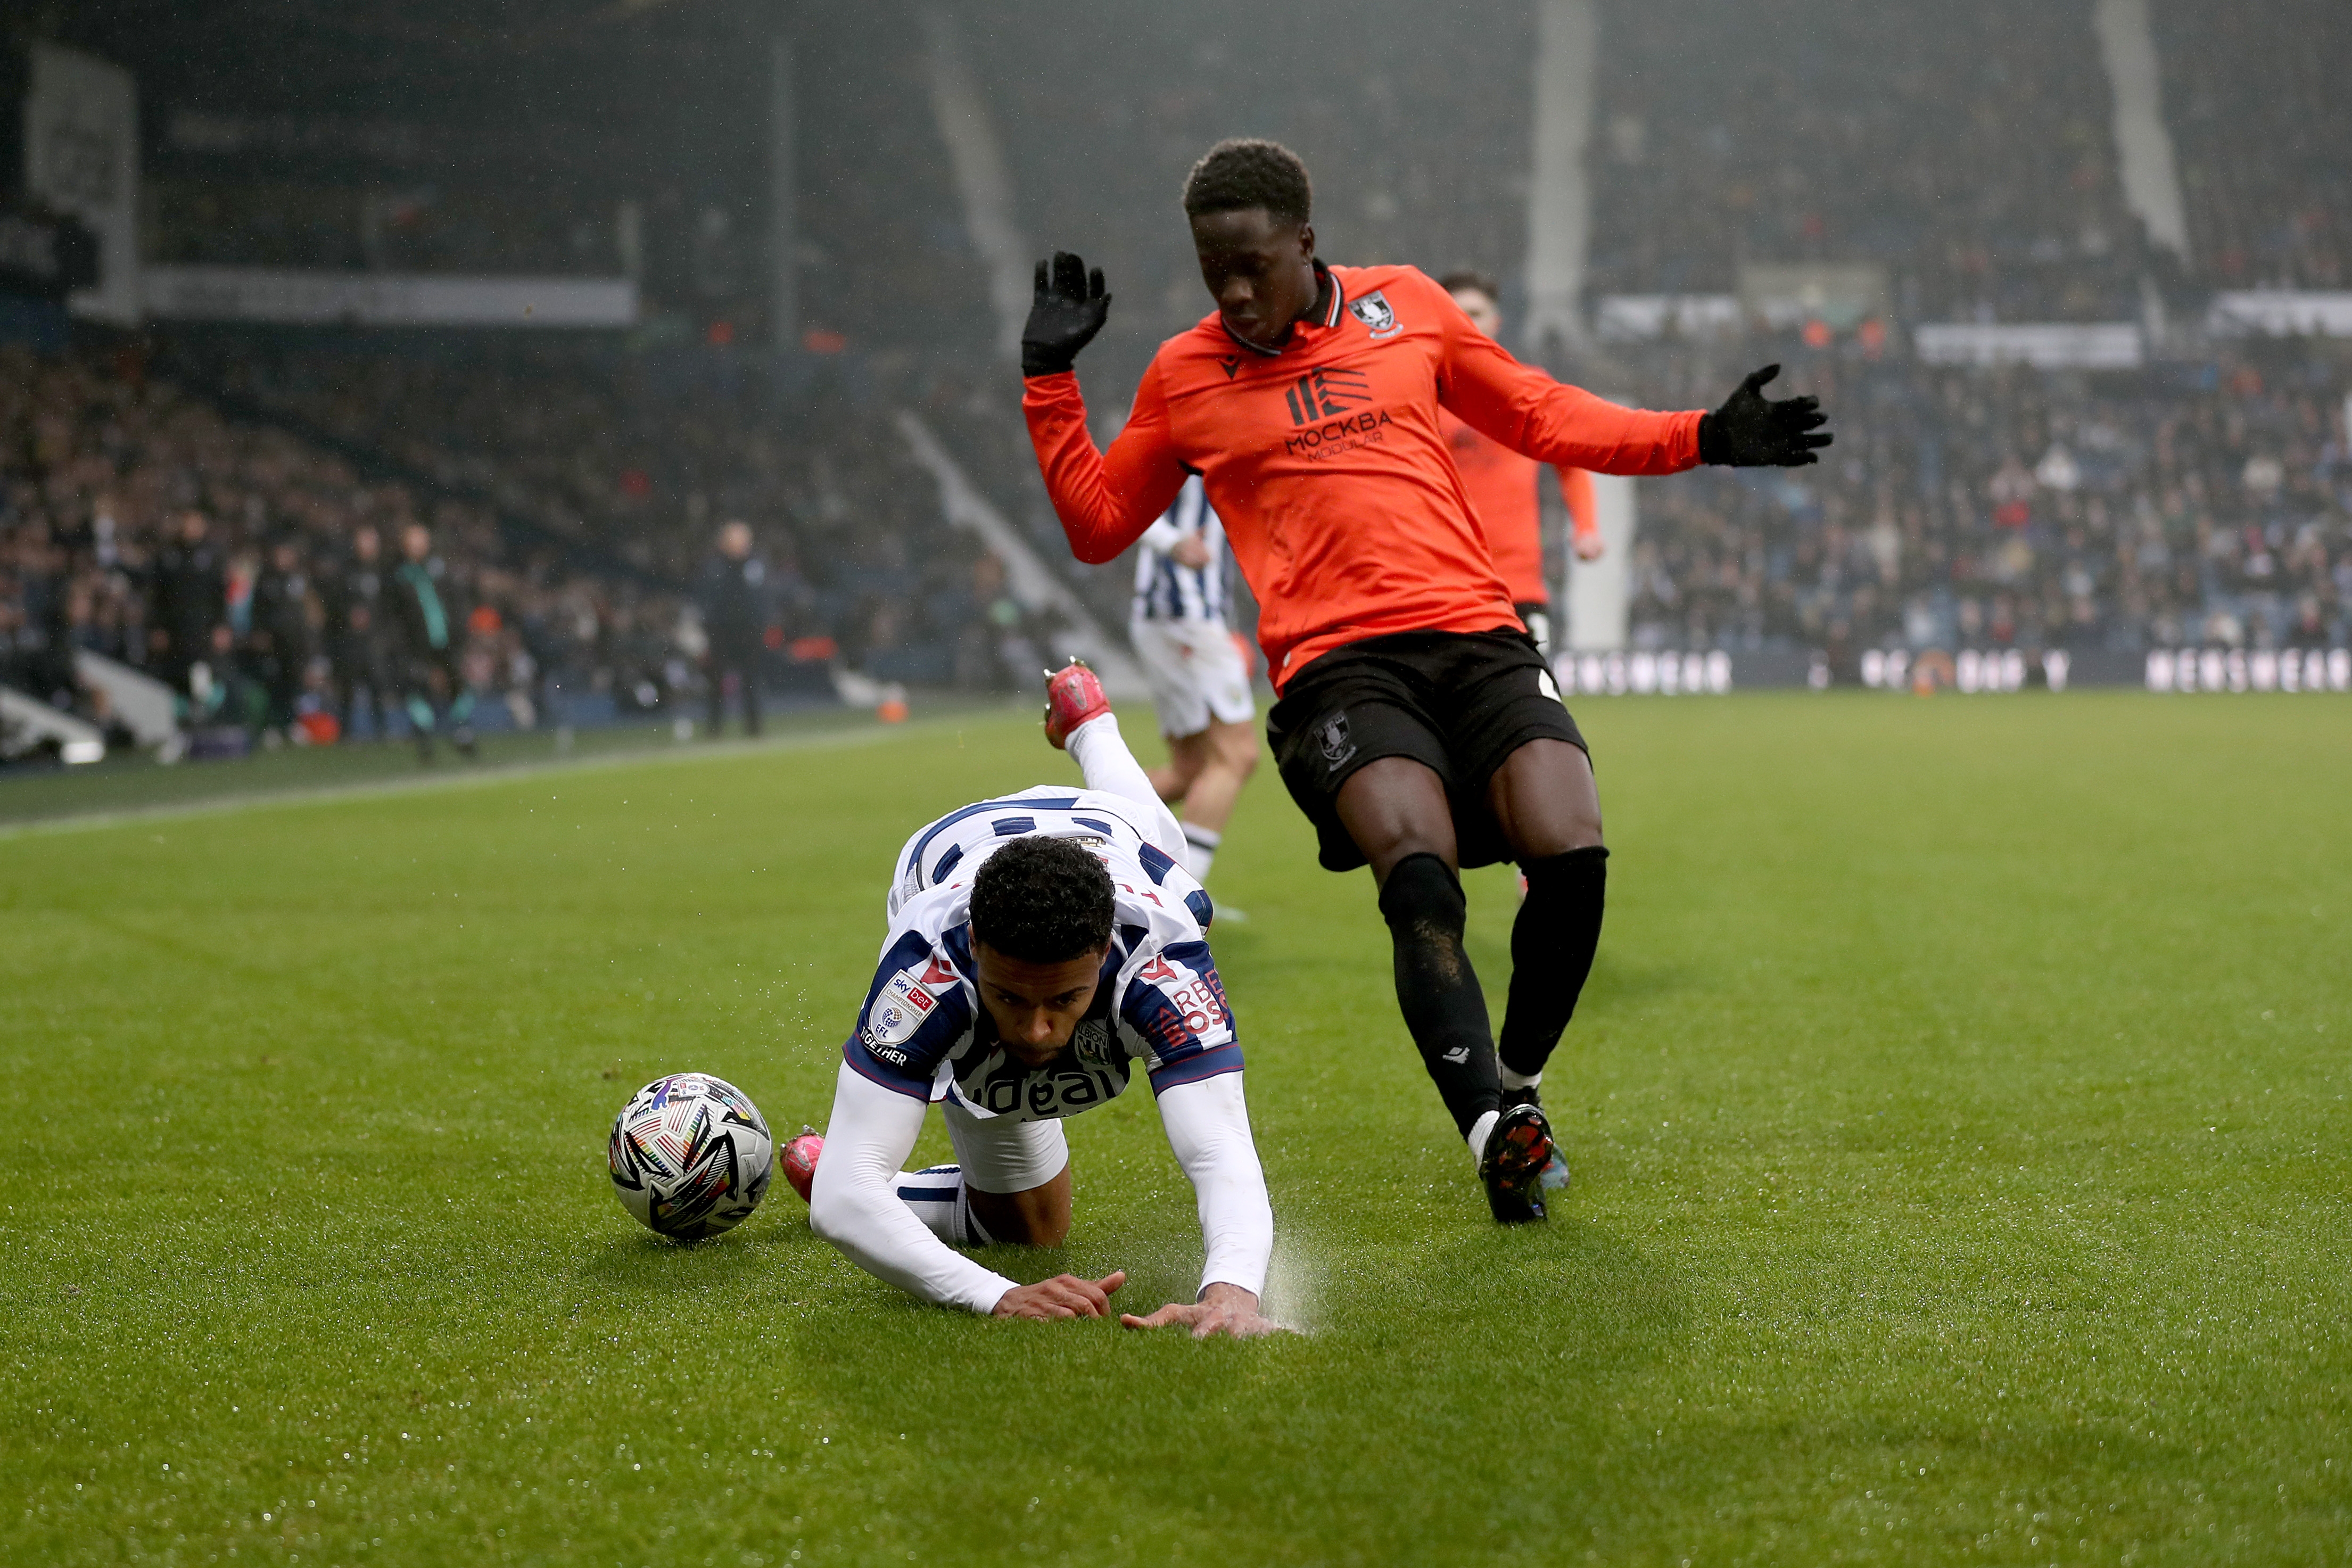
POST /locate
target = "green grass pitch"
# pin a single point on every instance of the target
(1958, 1116)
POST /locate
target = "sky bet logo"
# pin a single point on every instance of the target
(1326, 393)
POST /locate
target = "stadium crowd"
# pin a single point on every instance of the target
(2200, 503)
(231, 560)
(572, 514)
(2255, 100)
(639, 459)
(1965, 149)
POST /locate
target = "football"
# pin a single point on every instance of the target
(690, 1156)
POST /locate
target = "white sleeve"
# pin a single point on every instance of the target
(854, 1204)
(1101, 753)
(1163, 535)
(1208, 1126)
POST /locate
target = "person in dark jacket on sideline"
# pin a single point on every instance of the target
(738, 608)
(426, 629)
(354, 596)
(280, 638)
(188, 586)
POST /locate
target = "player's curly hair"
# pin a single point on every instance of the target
(1043, 900)
(1246, 172)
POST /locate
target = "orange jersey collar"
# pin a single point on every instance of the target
(1331, 298)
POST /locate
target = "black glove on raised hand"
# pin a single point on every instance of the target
(1068, 309)
(1749, 432)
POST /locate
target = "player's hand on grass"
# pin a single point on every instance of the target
(1063, 1295)
(1067, 311)
(1221, 1309)
(1752, 431)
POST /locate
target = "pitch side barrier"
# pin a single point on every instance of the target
(1970, 672)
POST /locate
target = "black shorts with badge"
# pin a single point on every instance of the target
(1459, 702)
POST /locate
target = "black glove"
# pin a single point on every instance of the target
(1747, 432)
(1068, 309)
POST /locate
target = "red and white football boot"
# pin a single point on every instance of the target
(1072, 696)
(800, 1160)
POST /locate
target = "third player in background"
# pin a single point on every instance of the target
(1503, 484)
(1200, 681)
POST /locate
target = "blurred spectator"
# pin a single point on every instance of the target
(281, 635)
(738, 618)
(189, 589)
(353, 591)
(425, 629)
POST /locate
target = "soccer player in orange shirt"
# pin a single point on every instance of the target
(1417, 725)
(1502, 484)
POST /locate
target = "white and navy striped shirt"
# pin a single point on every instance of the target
(923, 1032)
(1165, 590)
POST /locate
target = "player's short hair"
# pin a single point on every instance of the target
(1043, 900)
(1245, 172)
(1464, 278)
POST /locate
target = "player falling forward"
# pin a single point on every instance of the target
(1501, 484)
(1418, 726)
(1199, 681)
(1041, 946)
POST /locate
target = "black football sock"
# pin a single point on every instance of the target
(1436, 988)
(1552, 944)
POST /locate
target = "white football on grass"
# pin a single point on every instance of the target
(690, 1156)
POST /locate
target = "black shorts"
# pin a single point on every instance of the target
(1459, 702)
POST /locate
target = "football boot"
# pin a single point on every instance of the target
(1517, 1150)
(800, 1160)
(1555, 1171)
(1072, 696)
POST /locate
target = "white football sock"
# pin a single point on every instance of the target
(1479, 1132)
(940, 1199)
(1202, 844)
(1522, 1081)
(1102, 756)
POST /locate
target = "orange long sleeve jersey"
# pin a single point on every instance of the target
(1502, 486)
(1327, 464)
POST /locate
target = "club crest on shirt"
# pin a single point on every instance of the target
(899, 1010)
(1090, 1042)
(1373, 311)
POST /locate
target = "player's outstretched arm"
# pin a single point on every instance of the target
(854, 1204)
(1549, 420)
(1105, 501)
(1208, 1128)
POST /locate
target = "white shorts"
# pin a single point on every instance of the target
(1196, 673)
(1001, 1155)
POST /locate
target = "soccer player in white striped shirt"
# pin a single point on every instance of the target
(1199, 679)
(1043, 946)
